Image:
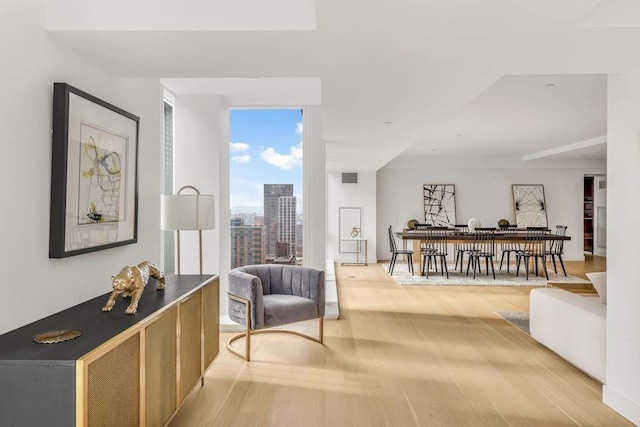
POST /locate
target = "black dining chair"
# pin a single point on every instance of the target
(535, 245)
(460, 248)
(556, 248)
(508, 247)
(483, 246)
(436, 247)
(395, 252)
(425, 249)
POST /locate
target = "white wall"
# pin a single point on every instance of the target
(599, 200)
(363, 195)
(622, 389)
(202, 160)
(33, 285)
(484, 194)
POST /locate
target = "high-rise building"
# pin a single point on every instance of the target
(246, 245)
(273, 192)
(287, 223)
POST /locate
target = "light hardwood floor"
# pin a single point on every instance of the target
(403, 356)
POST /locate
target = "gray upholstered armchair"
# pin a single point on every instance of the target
(264, 296)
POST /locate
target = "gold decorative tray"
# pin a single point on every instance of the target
(54, 337)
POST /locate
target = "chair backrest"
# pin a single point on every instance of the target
(436, 240)
(536, 240)
(423, 227)
(557, 246)
(461, 228)
(484, 240)
(285, 279)
(508, 226)
(392, 242)
(510, 246)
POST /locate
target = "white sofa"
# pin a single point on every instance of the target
(571, 325)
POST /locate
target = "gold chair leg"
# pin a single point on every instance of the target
(246, 333)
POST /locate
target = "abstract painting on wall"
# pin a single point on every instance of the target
(102, 155)
(529, 205)
(439, 204)
(94, 174)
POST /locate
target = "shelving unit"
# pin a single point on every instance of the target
(588, 214)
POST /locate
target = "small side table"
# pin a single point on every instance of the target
(359, 241)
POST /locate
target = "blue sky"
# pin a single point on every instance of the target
(266, 148)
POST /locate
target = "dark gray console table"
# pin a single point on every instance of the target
(125, 370)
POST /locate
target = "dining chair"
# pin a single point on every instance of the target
(395, 252)
(556, 248)
(460, 248)
(534, 247)
(436, 243)
(508, 247)
(425, 248)
(483, 246)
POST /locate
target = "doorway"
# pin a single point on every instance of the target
(595, 215)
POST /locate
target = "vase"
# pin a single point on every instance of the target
(473, 224)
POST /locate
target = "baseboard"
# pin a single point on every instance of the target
(331, 311)
(228, 325)
(621, 404)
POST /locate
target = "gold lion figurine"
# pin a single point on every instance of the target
(130, 282)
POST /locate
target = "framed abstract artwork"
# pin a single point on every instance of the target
(439, 204)
(529, 205)
(94, 174)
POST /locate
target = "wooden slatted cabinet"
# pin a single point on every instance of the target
(129, 370)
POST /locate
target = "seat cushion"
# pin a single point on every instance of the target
(280, 309)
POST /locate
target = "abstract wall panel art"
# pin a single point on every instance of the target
(529, 205)
(439, 204)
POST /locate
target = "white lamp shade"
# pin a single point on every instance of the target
(187, 212)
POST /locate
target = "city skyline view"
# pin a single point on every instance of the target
(266, 186)
(265, 148)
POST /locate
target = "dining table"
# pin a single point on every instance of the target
(454, 236)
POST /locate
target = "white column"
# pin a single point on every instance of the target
(314, 193)
(622, 388)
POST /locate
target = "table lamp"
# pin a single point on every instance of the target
(188, 212)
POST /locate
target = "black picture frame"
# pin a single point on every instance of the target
(94, 174)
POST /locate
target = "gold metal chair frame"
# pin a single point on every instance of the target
(248, 332)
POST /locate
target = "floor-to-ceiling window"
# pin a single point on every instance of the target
(266, 186)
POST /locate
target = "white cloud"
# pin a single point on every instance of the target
(299, 128)
(284, 161)
(241, 159)
(238, 147)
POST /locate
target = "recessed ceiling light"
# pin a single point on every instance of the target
(388, 123)
(459, 134)
(550, 85)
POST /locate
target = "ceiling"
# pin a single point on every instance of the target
(435, 69)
